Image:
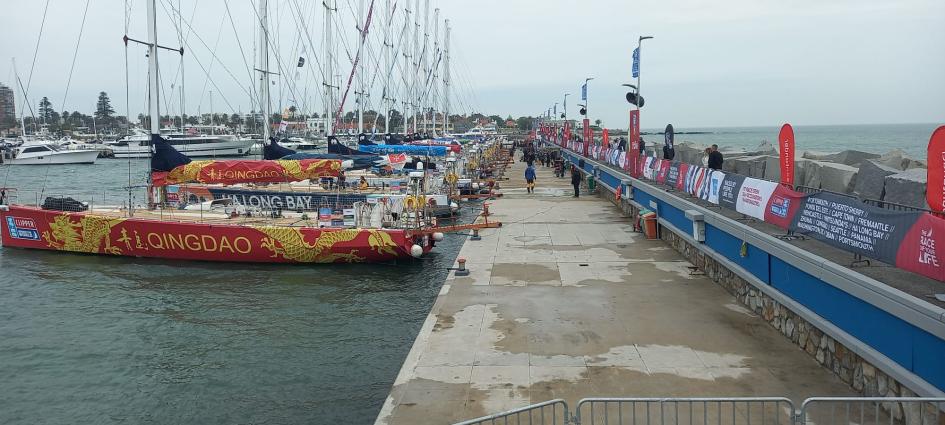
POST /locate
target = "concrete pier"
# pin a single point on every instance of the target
(566, 301)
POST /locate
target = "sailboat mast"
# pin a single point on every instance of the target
(446, 79)
(433, 66)
(22, 107)
(416, 65)
(360, 71)
(154, 102)
(424, 61)
(406, 74)
(180, 24)
(388, 48)
(264, 106)
(329, 71)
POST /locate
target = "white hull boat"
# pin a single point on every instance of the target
(192, 146)
(47, 155)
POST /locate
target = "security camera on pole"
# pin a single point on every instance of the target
(637, 100)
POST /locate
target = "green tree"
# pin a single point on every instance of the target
(524, 123)
(597, 122)
(45, 110)
(103, 109)
(396, 120)
(236, 120)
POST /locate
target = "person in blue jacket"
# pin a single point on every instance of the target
(530, 178)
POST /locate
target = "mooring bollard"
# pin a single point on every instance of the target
(475, 235)
(462, 271)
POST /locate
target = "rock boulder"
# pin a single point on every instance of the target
(773, 168)
(907, 188)
(871, 179)
(836, 177)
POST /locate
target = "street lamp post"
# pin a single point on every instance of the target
(566, 106)
(639, 61)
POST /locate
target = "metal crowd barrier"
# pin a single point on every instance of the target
(871, 411)
(685, 411)
(552, 412)
(727, 411)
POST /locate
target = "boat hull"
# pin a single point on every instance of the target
(223, 148)
(34, 228)
(57, 158)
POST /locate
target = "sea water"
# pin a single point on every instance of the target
(102, 340)
(880, 138)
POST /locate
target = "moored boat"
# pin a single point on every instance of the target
(46, 154)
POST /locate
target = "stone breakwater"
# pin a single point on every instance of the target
(891, 177)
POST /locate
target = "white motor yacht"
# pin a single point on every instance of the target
(47, 154)
(201, 145)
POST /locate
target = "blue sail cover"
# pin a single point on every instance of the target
(408, 149)
(164, 156)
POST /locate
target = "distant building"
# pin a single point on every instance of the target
(7, 107)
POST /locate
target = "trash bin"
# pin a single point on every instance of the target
(649, 224)
(591, 184)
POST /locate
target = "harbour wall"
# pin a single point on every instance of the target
(876, 338)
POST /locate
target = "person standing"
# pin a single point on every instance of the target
(576, 180)
(530, 179)
(669, 152)
(715, 158)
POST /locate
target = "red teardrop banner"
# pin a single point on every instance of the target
(935, 192)
(786, 152)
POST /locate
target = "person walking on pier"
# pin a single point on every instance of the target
(715, 158)
(530, 178)
(576, 180)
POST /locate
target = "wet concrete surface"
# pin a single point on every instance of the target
(565, 301)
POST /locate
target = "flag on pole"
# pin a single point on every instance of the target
(636, 62)
(584, 92)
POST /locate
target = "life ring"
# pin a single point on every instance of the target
(432, 203)
(452, 178)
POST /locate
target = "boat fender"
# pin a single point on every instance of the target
(416, 251)
(410, 202)
(438, 236)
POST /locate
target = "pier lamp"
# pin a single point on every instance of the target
(564, 114)
(633, 97)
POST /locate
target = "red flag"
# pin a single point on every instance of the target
(634, 152)
(935, 192)
(605, 139)
(786, 150)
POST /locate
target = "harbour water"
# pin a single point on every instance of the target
(91, 339)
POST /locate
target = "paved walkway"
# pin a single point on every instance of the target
(565, 301)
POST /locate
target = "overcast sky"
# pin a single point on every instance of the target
(731, 63)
